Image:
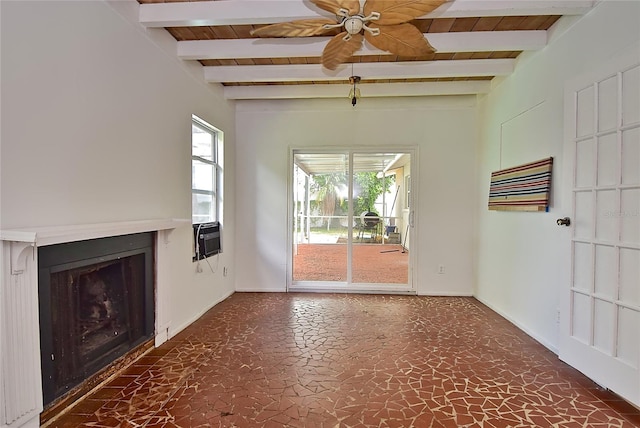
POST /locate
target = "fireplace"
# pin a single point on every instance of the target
(96, 303)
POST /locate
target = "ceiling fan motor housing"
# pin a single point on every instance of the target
(353, 24)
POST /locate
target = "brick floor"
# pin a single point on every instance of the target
(340, 360)
(371, 263)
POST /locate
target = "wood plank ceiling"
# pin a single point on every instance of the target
(476, 40)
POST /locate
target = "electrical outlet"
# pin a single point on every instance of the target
(557, 316)
(440, 269)
(224, 271)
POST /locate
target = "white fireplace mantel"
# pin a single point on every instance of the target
(41, 236)
(20, 375)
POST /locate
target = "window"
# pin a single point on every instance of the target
(206, 172)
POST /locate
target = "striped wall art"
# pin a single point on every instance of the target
(522, 188)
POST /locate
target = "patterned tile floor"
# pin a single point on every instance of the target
(335, 360)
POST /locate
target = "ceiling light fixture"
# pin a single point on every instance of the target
(354, 93)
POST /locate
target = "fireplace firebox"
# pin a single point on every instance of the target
(96, 300)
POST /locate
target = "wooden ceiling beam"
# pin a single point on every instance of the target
(247, 12)
(368, 90)
(379, 70)
(480, 41)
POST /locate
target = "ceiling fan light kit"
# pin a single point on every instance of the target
(383, 23)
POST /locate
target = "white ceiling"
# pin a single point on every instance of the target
(296, 80)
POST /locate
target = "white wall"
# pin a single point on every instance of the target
(444, 131)
(523, 257)
(96, 127)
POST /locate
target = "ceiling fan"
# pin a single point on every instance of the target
(383, 23)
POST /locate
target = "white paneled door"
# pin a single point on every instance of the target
(600, 335)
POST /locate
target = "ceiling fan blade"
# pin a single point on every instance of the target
(339, 50)
(300, 28)
(333, 6)
(394, 12)
(401, 40)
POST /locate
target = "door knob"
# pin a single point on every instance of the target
(564, 221)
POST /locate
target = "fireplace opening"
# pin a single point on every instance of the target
(96, 304)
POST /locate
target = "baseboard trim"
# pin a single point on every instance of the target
(445, 294)
(174, 331)
(536, 337)
(261, 290)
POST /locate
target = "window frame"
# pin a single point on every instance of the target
(216, 171)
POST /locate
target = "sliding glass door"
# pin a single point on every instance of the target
(350, 213)
(321, 227)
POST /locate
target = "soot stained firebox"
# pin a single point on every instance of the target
(96, 304)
